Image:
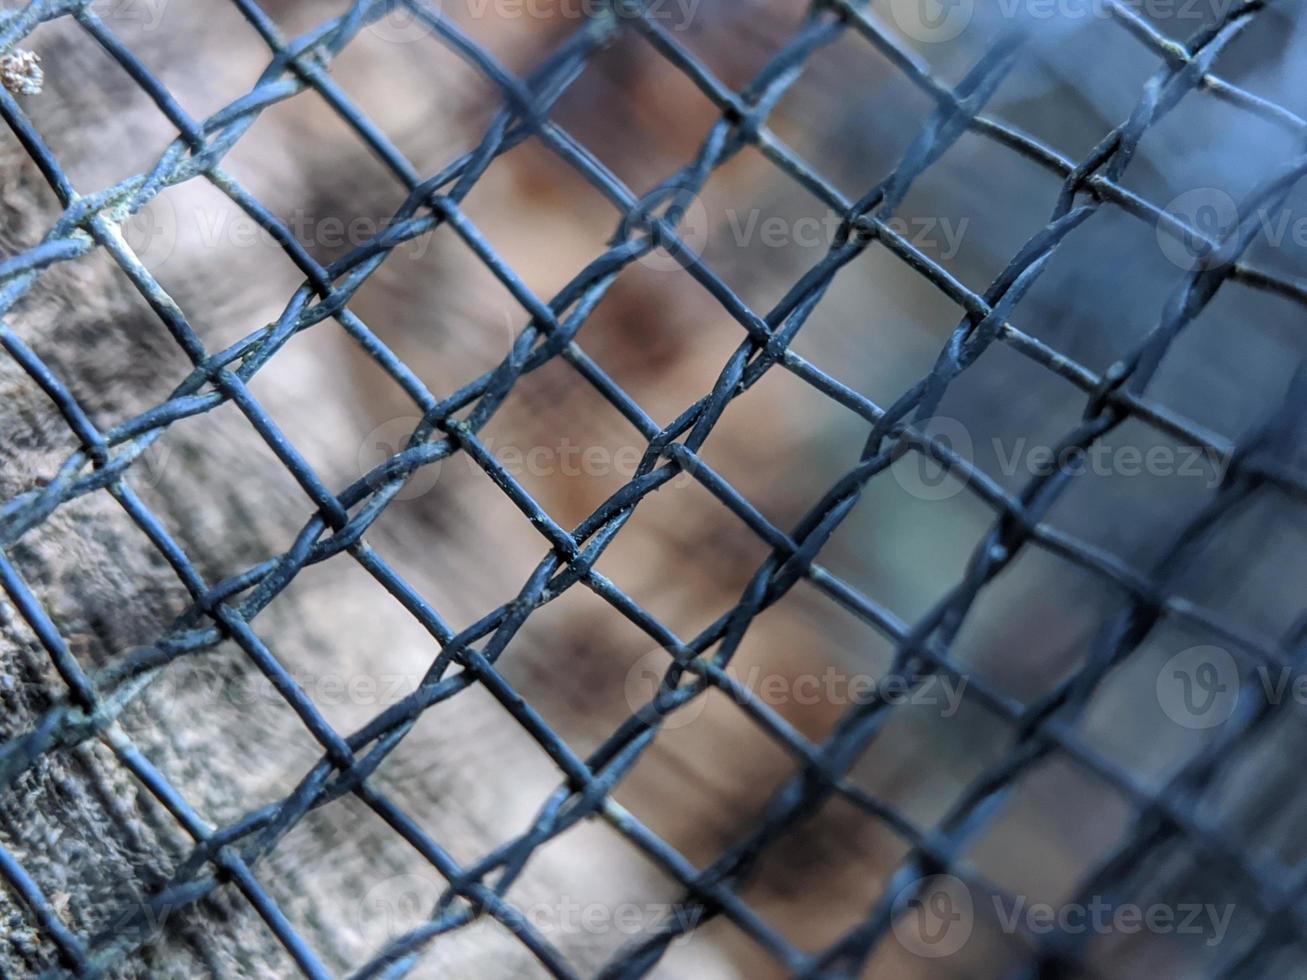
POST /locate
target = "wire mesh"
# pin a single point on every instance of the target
(925, 886)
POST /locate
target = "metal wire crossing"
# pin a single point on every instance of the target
(228, 610)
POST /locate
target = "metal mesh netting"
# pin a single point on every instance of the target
(936, 903)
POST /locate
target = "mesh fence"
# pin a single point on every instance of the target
(934, 890)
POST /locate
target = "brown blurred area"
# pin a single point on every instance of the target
(467, 773)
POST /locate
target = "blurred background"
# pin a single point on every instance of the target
(468, 774)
